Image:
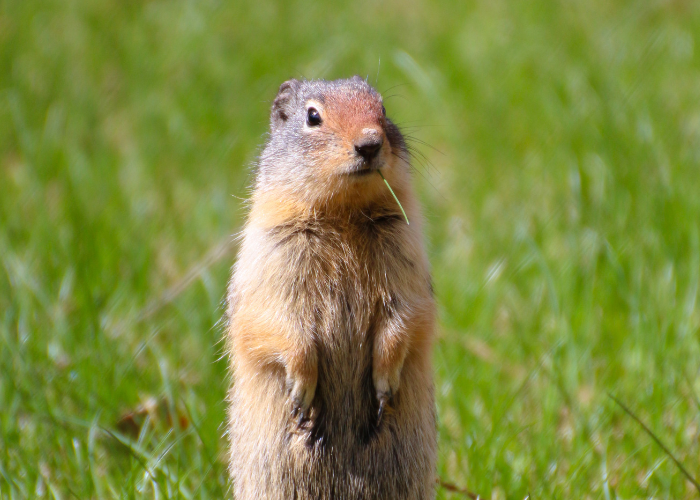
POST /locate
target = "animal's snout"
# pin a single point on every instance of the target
(369, 144)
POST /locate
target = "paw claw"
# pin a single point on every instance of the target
(380, 413)
(300, 396)
(384, 401)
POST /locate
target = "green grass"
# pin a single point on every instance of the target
(563, 215)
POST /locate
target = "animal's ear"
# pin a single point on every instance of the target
(358, 79)
(283, 105)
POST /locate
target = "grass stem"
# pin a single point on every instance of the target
(395, 197)
(658, 441)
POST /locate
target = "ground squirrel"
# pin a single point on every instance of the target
(331, 311)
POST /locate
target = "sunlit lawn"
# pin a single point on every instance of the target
(558, 161)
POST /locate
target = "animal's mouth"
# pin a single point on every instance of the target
(363, 168)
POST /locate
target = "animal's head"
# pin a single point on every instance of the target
(327, 141)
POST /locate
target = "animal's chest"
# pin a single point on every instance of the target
(340, 285)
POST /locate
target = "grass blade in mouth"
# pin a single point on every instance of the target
(394, 195)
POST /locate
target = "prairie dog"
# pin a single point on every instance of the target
(330, 307)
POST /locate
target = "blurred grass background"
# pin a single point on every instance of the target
(563, 205)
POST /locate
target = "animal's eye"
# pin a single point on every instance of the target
(383, 110)
(313, 117)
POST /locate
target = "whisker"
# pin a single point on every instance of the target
(422, 142)
(395, 95)
(393, 87)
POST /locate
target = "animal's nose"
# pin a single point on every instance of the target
(369, 144)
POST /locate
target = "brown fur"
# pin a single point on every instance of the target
(331, 312)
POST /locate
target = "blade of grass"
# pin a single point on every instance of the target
(453, 488)
(658, 441)
(395, 197)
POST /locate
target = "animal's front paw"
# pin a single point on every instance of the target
(386, 387)
(384, 399)
(301, 393)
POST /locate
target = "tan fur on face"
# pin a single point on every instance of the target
(331, 312)
(346, 117)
